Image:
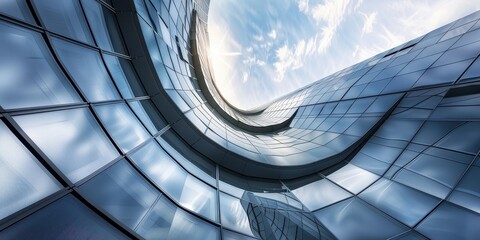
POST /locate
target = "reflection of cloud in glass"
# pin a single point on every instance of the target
(261, 50)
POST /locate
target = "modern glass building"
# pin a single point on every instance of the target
(111, 127)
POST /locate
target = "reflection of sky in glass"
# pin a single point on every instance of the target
(264, 49)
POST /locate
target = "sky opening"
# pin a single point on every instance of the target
(263, 49)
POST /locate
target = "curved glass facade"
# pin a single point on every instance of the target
(111, 128)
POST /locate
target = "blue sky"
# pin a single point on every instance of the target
(263, 49)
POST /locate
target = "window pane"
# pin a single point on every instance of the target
(18, 9)
(87, 69)
(320, 194)
(66, 218)
(170, 222)
(352, 219)
(161, 169)
(72, 139)
(122, 192)
(104, 26)
(187, 190)
(64, 17)
(124, 76)
(22, 180)
(233, 214)
(29, 76)
(124, 127)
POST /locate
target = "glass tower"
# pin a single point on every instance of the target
(111, 127)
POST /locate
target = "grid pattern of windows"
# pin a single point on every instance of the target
(105, 138)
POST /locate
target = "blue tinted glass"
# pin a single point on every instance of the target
(124, 76)
(319, 194)
(125, 128)
(122, 192)
(170, 222)
(66, 218)
(29, 75)
(87, 69)
(234, 215)
(352, 219)
(161, 169)
(18, 9)
(64, 17)
(104, 26)
(23, 180)
(401, 202)
(450, 222)
(72, 139)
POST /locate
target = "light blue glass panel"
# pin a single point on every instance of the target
(72, 139)
(467, 194)
(450, 222)
(142, 114)
(66, 218)
(353, 178)
(122, 192)
(29, 76)
(104, 26)
(64, 17)
(125, 77)
(401, 202)
(233, 214)
(23, 180)
(18, 9)
(319, 194)
(87, 69)
(167, 221)
(351, 219)
(199, 197)
(125, 128)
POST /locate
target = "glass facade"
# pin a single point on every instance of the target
(111, 128)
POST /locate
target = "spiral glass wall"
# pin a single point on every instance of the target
(112, 128)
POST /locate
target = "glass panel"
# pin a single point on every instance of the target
(352, 219)
(66, 218)
(104, 26)
(229, 235)
(170, 222)
(87, 69)
(18, 9)
(124, 76)
(160, 168)
(320, 194)
(353, 178)
(23, 180)
(123, 126)
(450, 222)
(176, 182)
(29, 76)
(467, 194)
(142, 114)
(199, 197)
(72, 139)
(64, 17)
(122, 192)
(401, 202)
(233, 214)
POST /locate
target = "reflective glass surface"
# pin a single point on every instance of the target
(125, 128)
(63, 219)
(122, 192)
(64, 17)
(104, 26)
(23, 180)
(72, 139)
(29, 76)
(87, 69)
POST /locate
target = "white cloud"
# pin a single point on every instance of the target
(368, 23)
(273, 34)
